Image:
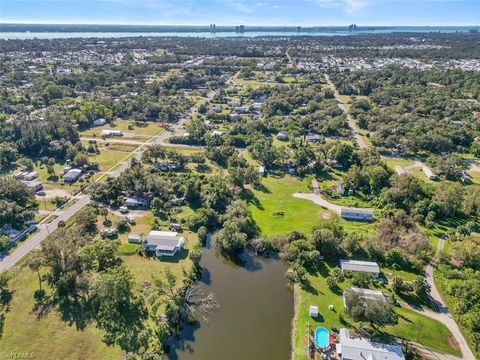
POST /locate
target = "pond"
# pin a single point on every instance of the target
(254, 317)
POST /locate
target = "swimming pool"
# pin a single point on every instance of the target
(322, 337)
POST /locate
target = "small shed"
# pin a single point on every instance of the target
(313, 311)
(134, 239)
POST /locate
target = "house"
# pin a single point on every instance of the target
(241, 109)
(112, 133)
(356, 214)
(216, 133)
(257, 105)
(72, 175)
(34, 185)
(340, 188)
(261, 171)
(365, 294)
(30, 176)
(350, 348)
(20, 175)
(360, 266)
(282, 136)
(216, 109)
(429, 173)
(135, 202)
(109, 232)
(165, 243)
(134, 239)
(313, 138)
(130, 218)
(99, 122)
(176, 226)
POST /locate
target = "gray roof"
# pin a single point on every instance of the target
(358, 348)
(357, 265)
(162, 240)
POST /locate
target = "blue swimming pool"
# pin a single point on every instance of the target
(322, 337)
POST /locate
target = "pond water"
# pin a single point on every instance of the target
(254, 317)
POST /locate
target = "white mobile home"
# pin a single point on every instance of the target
(99, 122)
(356, 214)
(360, 266)
(72, 175)
(112, 133)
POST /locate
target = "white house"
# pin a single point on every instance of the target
(99, 122)
(134, 239)
(163, 243)
(360, 266)
(34, 185)
(30, 176)
(134, 202)
(112, 133)
(282, 136)
(350, 348)
(216, 133)
(261, 171)
(356, 214)
(72, 175)
(429, 173)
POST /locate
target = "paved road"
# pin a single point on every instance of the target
(442, 314)
(44, 229)
(342, 106)
(83, 200)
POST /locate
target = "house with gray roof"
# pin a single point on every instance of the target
(360, 266)
(350, 348)
(163, 243)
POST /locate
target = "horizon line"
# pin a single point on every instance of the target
(13, 22)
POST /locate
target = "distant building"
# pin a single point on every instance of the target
(99, 122)
(340, 188)
(313, 138)
(241, 109)
(163, 243)
(356, 214)
(72, 175)
(216, 133)
(34, 185)
(261, 171)
(134, 239)
(282, 136)
(216, 109)
(135, 202)
(360, 266)
(30, 176)
(350, 348)
(429, 173)
(112, 133)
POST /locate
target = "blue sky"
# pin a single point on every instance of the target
(247, 12)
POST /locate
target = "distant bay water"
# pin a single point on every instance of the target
(95, 32)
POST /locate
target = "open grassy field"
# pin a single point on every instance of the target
(143, 129)
(276, 195)
(47, 337)
(411, 326)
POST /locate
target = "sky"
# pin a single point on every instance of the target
(246, 12)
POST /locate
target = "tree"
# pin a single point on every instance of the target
(448, 198)
(377, 312)
(421, 287)
(331, 282)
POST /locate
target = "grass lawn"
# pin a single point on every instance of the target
(398, 161)
(411, 326)
(47, 337)
(276, 195)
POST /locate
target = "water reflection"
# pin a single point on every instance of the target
(254, 318)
